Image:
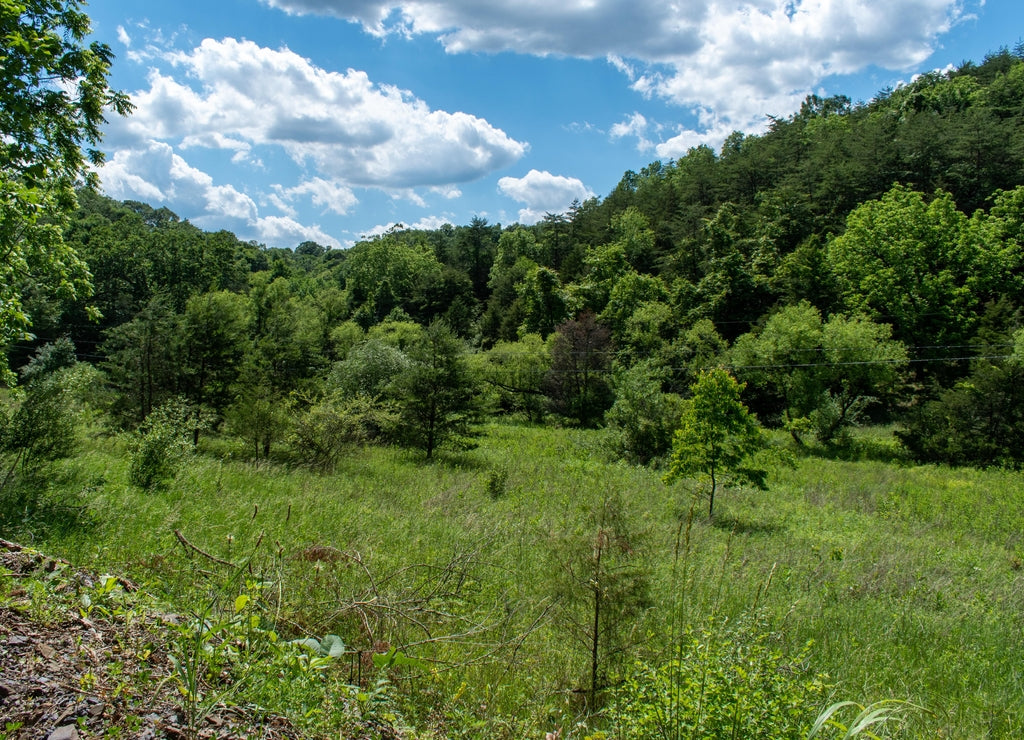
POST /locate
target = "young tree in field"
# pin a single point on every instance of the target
(718, 437)
(260, 413)
(603, 588)
(437, 394)
(53, 95)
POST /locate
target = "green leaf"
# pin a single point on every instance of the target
(396, 659)
(310, 643)
(332, 646)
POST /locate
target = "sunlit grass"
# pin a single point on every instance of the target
(907, 579)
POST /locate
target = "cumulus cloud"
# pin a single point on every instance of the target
(733, 62)
(288, 231)
(635, 126)
(332, 197)
(585, 28)
(340, 130)
(427, 223)
(543, 193)
(157, 175)
(343, 124)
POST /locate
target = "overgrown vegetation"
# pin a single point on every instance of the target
(294, 449)
(886, 582)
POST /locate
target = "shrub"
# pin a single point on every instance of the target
(723, 682)
(161, 444)
(642, 420)
(41, 425)
(979, 421)
(322, 433)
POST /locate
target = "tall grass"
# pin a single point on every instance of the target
(907, 581)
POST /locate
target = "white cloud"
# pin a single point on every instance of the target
(635, 126)
(156, 173)
(432, 223)
(285, 231)
(341, 131)
(159, 176)
(732, 61)
(448, 192)
(348, 128)
(123, 37)
(332, 197)
(427, 223)
(543, 193)
(585, 28)
(713, 134)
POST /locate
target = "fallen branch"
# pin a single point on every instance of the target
(189, 546)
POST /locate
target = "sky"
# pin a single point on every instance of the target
(334, 120)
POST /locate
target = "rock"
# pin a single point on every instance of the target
(67, 732)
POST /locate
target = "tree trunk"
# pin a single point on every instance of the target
(711, 504)
(595, 641)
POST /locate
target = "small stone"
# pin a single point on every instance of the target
(46, 651)
(67, 732)
(17, 640)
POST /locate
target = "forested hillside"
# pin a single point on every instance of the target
(240, 433)
(857, 261)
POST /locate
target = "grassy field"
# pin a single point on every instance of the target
(471, 573)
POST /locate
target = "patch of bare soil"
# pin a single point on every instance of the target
(63, 676)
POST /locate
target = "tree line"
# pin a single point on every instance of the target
(856, 262)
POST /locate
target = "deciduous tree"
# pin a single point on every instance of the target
(53, 95)
(581, 360)
(718, 437)
(823, 374)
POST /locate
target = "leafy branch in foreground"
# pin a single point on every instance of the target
(53, 96)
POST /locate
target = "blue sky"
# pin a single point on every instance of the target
(331, 120)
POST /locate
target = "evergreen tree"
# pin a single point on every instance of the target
(437, 393)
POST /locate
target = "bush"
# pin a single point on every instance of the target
(41, 425)
(260, 417)
(642, 420)
(322, 433)
(979, 421)
(161, 445)
(722, 683)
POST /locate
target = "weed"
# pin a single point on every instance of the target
(497, 483)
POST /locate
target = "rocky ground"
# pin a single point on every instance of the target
(64, 675)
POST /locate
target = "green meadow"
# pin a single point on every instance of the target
(473, 576)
